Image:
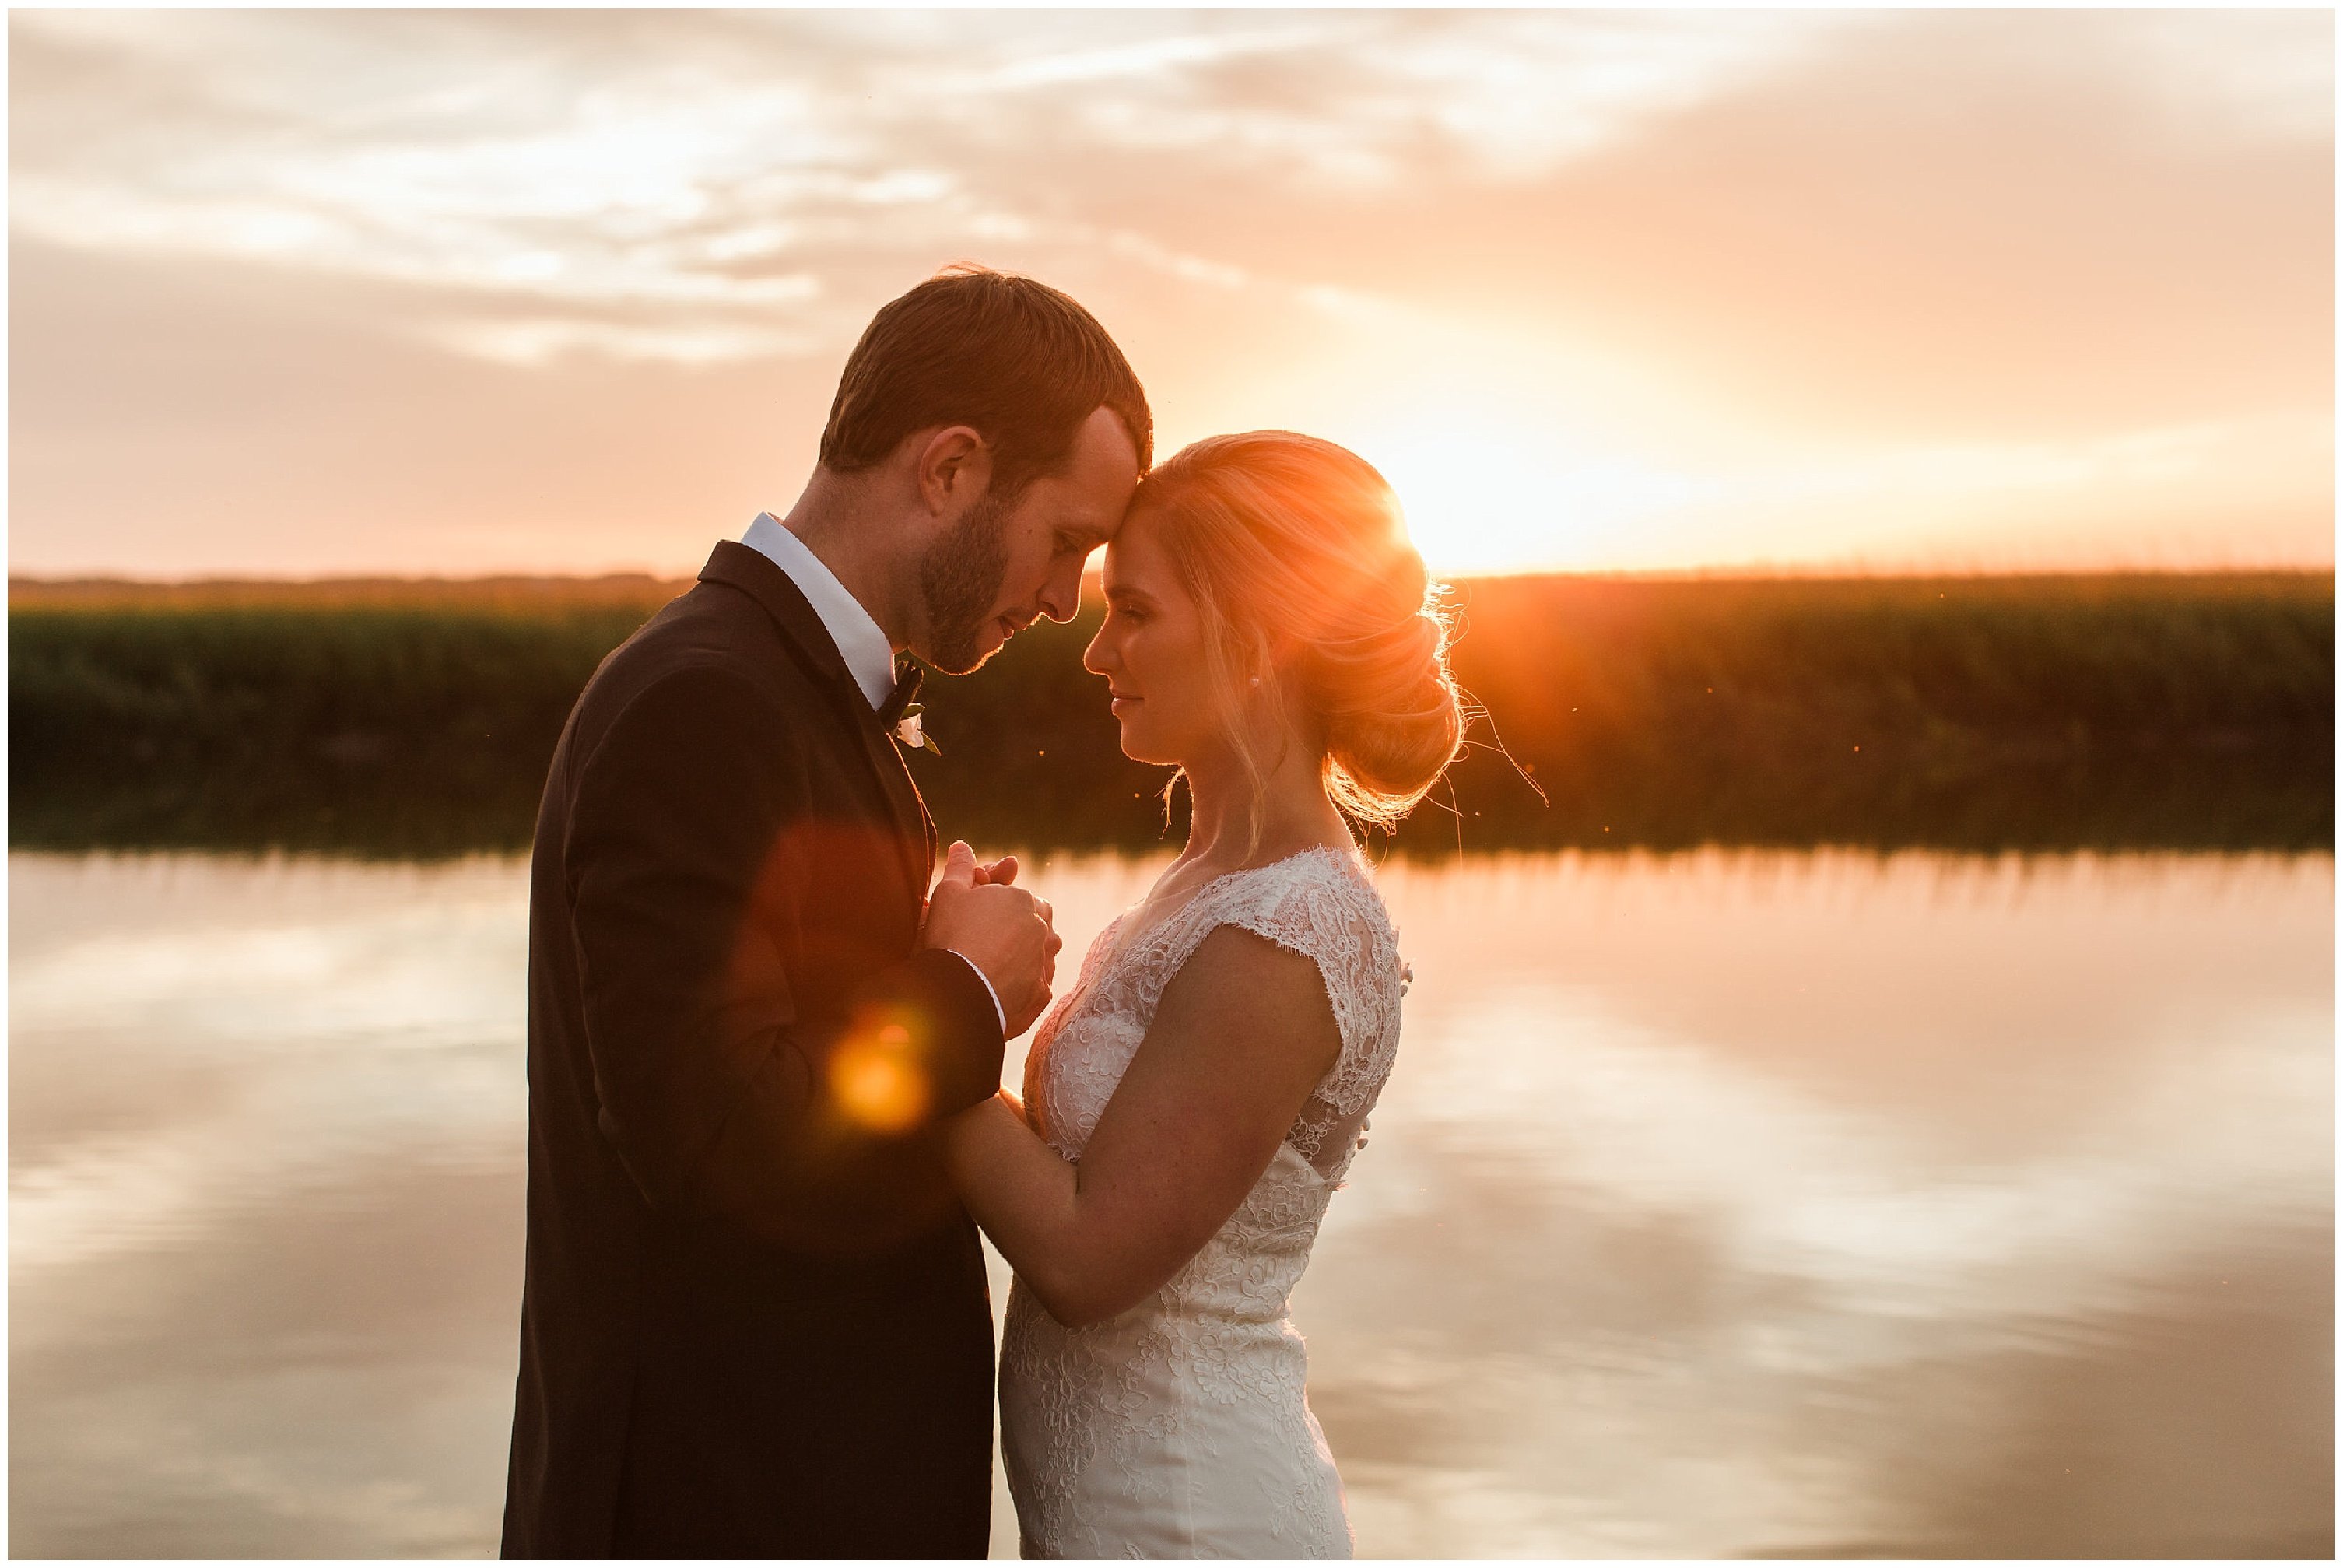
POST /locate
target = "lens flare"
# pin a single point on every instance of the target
(876, 1080)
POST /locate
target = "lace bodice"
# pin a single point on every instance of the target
(1179, 1428)
(1319, 904)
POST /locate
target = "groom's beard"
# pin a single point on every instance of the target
(960, 582)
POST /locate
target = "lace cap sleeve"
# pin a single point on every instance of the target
(1327, 912)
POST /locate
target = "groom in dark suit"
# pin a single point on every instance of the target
(755, 1323)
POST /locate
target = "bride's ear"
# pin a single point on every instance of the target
(1280, 673)
(1281, 661)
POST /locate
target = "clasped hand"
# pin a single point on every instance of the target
(979, 913)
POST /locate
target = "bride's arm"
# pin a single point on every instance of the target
(1241, 1035)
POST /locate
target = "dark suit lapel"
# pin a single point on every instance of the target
(918, 832)
(748, 570)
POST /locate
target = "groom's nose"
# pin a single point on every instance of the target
(1061, 595)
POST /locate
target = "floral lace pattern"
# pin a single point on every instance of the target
(1179, 1428)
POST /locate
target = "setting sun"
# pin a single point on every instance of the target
(1484, 497)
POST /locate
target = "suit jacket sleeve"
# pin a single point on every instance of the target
(709, 1075)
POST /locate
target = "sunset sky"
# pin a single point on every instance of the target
(302, 293)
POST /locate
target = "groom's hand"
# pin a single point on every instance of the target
(1004, 931)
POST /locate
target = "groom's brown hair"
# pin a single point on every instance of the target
(1015, 360)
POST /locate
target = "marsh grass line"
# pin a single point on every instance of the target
(388, 717)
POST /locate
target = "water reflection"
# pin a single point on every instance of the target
(1720, 1204)
(1823, 1205)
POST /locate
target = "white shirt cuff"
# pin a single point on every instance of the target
(997, 1010)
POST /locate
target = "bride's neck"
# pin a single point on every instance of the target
(1294, 812)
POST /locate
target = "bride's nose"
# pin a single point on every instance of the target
(1094, 655)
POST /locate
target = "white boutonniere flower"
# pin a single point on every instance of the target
(907, 731)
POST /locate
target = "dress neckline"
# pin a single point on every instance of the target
(1210, 883)
(1114, 935)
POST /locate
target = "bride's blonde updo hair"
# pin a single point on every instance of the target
(1299, 560)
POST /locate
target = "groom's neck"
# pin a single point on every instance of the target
(859, 541)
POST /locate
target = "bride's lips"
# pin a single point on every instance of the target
(1117, 701)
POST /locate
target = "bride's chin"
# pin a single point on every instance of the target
(1140, 752)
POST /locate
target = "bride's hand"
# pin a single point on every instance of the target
(1005, 931)
(1002, 873)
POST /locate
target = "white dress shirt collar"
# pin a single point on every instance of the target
(864, 648)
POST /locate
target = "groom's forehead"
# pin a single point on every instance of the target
(1091, 520)
(1120, 520)
(1104, 456)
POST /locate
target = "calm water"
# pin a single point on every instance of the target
(1719, 1205)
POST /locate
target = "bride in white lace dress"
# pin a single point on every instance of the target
(1193, 1102)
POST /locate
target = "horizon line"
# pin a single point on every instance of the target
(39, 583)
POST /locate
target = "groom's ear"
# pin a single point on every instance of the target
(952, 467)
